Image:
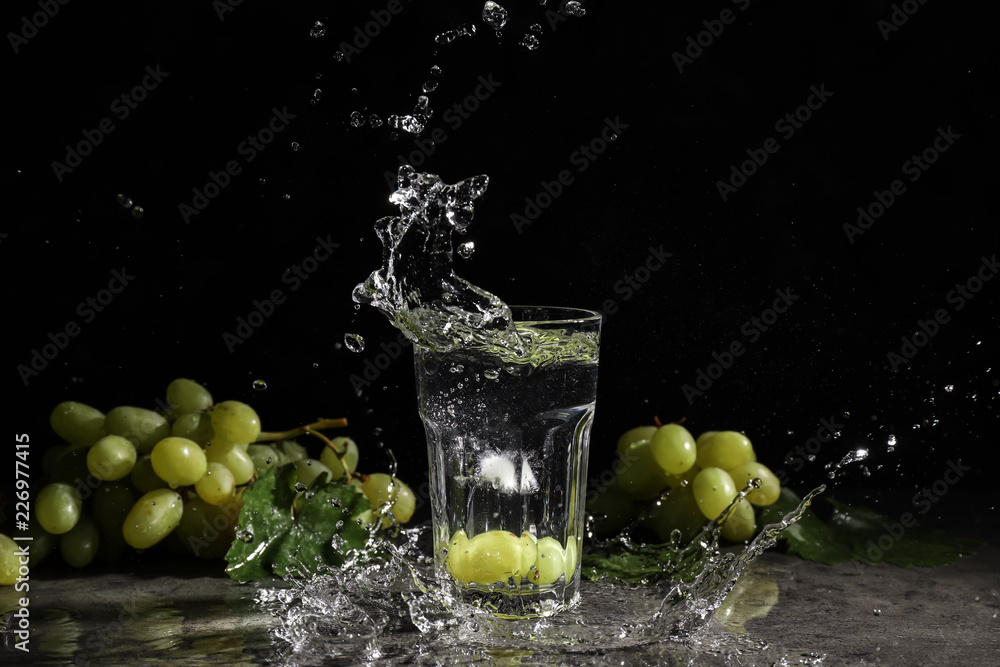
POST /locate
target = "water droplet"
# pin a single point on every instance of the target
(259, 385)
(536, 28)
(357, 120)
(286, 196)
(877, 612)
(295, 146)
(374, 120)
(494, 15)
(422, 104)
(573, 8)
(429, 86)
(124, 201)
(244, 536)
(530, 42)
(317, 95)
(301, 486)
(948, 387)
(338, 55)
(318, 30)
(354, 342)
(435, 70)
(262, 181)
(138, 212)
(492, 373)
(466, 249)
(457, 368)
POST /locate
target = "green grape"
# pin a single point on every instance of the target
(143, 427)
(152, 518)
(264, 457)
(740, 523)
(340, 467)
(457, 555)
(489, 558)
(111, 458)
(43, 543)
(770, 486)
(685, 479)
(207, 530)
(703, 437)
(307, 470)
(613, 509)
(77, 423)
(638, 474)
(10, 561)
(195, 426)
(551, 562)
(178, 461)
(292, 451)
(79, 545)
(673, 448)
(529, 554)
(713, 489)
(572, 557)
(726, 450)
(218, 486)
(677, 510)
(634, 435)
(58, 507)
(235, 421)
(185, 395)
(144, 478)
(110, 505)
(237, 460)
(380, 489)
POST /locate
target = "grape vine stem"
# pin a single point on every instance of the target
(272, 436)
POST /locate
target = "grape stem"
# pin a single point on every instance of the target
(272, 436)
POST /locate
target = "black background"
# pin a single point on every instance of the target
(656, 185)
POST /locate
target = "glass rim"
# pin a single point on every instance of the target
(567, 315)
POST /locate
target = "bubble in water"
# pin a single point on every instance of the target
(318, 30)
(357, 120)
(494, 15)
(354, 342)
(530, 42)
(573, 8)
(429, 86)
(259, 385)
(466, 249)
(244, 536)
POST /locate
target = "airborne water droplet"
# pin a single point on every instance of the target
(573, 8)
(357, 120)
(429, 86)
(259, 385)
(318, 30)
(466, 249)
(530, 42)
(354, 342)
(494, 15)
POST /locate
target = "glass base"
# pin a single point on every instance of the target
(518, 601)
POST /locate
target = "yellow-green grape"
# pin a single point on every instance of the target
(185, 395)
(740, 523)
(207, 530)
(77, 423)
(673, 448)
(179, 461)
(110, 505)
(79, 545)
(58, 507)
(726, 450)
(340, 466)
(10, 563)
(144, 478)
(770, 486)
(638, 474)
(489, 558)
(218, 486)
(713, 490)
(700, 442)
(456, 556)
(111, 458)
(237, 460)
(292, 451)
(529, 554)
(235, 421)
(380, 489)
(678, 510)
(195, 426)
(152, 518)
(634, 435)
(143, 427)
(307, 470)
(685, 479)
(264, 457)
(550, 563)
(613, 509)
(572, 557)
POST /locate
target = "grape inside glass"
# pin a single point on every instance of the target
(508, 439)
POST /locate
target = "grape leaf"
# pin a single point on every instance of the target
(808, 537)
(293, 533)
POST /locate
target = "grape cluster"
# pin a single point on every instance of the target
(136, 477)
(671, 484)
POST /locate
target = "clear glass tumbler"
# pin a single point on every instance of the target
(508, 441)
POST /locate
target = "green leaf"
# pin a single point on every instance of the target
(808, 537)
(294, 532)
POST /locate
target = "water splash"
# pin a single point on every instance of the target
(859, 454)
(449, 36)
(494, 15)
(354, 342)
(318, 30)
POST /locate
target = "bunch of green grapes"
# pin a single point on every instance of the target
(673, 484)
(498, 556)
(135, 478)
